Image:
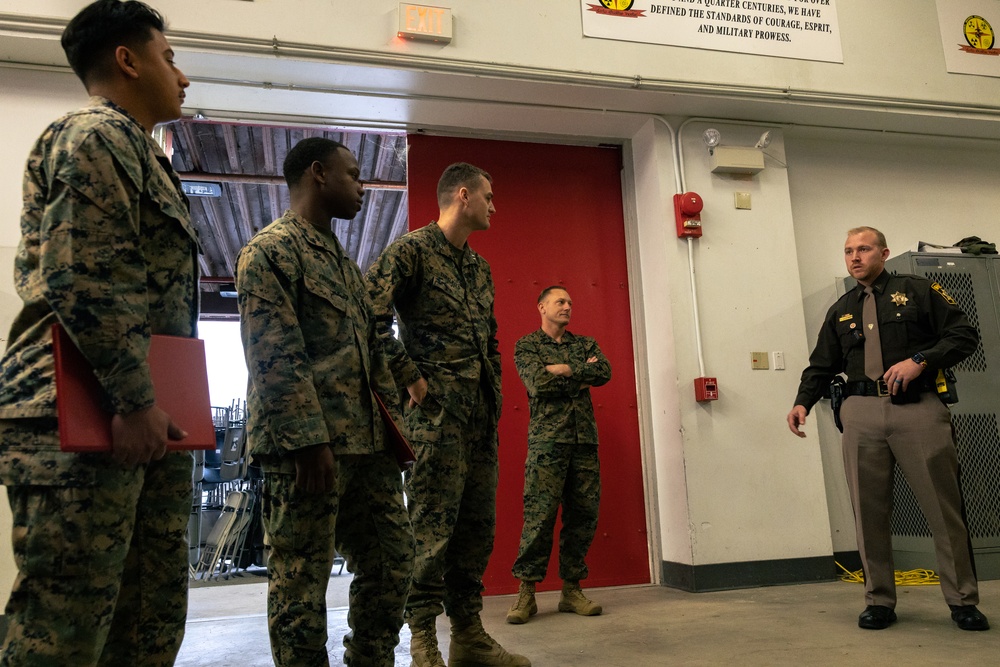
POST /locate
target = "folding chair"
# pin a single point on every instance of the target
(230, 525)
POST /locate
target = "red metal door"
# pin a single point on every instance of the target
(559, 221)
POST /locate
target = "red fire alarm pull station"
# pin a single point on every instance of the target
(687, 210)
(706, 389)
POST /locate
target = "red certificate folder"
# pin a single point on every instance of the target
(398, 444)
(180, 380)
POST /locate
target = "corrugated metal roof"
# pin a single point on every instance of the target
(246, 161)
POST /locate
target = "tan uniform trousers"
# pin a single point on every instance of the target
(917, 436)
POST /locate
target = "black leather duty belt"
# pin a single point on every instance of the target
(880, 388)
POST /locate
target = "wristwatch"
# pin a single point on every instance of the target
(919, 358)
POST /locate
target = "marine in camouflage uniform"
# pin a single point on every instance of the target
(558, 369)
(447, 357)
(314, 359)
(108, 251)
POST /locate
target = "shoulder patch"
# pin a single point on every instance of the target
(940, 290)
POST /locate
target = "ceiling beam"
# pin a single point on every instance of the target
(254, 179)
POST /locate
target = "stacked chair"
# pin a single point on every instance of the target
(225, 509)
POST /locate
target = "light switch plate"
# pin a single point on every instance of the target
(743, 200)
(758, 361)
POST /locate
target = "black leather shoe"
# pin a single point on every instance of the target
(876, 617)
(969, 618)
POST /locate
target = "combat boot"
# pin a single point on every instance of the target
(524, 606)
(472, 647)
(424, 646)
(573, 600)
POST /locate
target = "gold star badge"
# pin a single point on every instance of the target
(899, 298)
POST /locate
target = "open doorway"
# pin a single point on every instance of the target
(232, 174)
(560, 221)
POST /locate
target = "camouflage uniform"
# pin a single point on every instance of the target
(313, 356)
(108, 250)
(443, 297)
(562, 464)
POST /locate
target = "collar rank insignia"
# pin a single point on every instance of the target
(846, 317)
(899, 298)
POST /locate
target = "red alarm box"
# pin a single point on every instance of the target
(687, 211)
(706, 389)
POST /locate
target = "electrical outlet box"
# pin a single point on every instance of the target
(743, 201)
(758, 361)
(779, 361)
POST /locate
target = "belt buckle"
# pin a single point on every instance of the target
(882, 388)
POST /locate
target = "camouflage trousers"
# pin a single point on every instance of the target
(365, 520)
(554, 474)
(103, 569)
(451, 496)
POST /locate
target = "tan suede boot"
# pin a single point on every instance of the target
(472, 647)
(573, 600)
(424, 646)
(524, 606)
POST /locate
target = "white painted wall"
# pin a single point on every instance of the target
(28, 104)
(904, 61)
(754, 490)
(731, 484)
(913, 189)
(654, 184)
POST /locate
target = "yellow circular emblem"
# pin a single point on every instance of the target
(978, 33)
(618, 5)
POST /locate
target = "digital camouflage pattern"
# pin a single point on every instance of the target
(447, 331)
(311, 347)
(98, 586)
(313, 357)
(558, 473)
(562, 467)
(443, 297)
(366, 521)
(561, 409)
(108, 250)
(451, 496)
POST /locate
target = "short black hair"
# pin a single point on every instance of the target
(91, 37)
(458, 175)
(548, 290)
(304, 153)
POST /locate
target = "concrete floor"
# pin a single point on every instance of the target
(809, 624)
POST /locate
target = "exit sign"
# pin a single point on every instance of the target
(201, 189)
(424, 23)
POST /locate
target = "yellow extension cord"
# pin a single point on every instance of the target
(909, 578)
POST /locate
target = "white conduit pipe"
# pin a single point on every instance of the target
(34, 26)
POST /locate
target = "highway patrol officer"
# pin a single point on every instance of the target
(890, 335)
